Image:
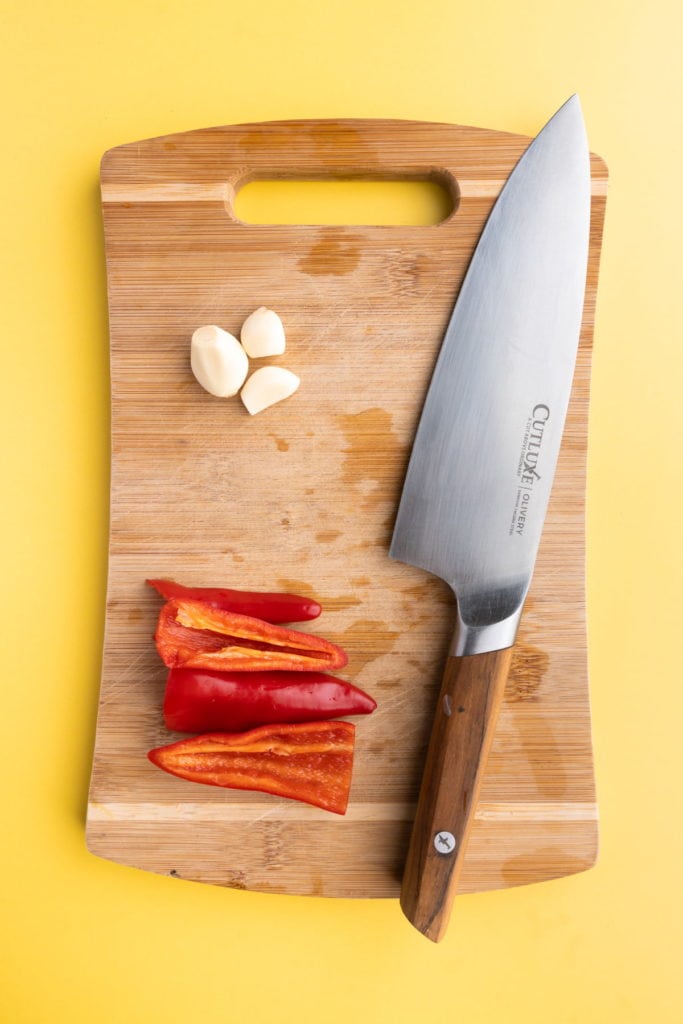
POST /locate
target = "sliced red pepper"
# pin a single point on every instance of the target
(307, 761)
(199, 700)
(193, 634)
(270, 607)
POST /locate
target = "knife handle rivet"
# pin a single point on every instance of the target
(444, 843)
(447, 706)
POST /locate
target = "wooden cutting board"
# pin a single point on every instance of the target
(303, 497)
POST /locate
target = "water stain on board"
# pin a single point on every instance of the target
(237, 558)
(536, 732)
(262, 140)
(292, 142)
(317, 884)
(533, 867)
(336, 252)
(327, 536)
(298, 587)
(236, 881)
(336, 139)
(407, 274)
(529, 666)
(336, 604)
(329, 602)
(429, 590)
(373, 458)
(364, 641)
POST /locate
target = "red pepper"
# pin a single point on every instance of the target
(307, 761)
(193, 634)
(198, 700)
(269, 607)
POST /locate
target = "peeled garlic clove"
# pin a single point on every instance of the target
(218, 361)
(262, 334)
(267, 386)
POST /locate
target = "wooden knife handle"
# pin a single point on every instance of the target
(471, 695)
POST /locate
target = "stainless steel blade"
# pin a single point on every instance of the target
(482, 465)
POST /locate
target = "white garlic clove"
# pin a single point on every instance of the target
(218, 361)
(266, 386)
(262, 334)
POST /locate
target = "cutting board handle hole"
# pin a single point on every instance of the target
(406, 201)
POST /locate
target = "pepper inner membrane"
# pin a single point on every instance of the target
(209, 640)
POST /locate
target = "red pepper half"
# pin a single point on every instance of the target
(267, 606)
(307, 761)
(198, 700)
(193, 634)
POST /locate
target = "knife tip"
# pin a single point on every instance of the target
(572, 104)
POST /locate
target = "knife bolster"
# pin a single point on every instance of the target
(481, 638)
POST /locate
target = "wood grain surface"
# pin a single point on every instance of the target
(303, 497)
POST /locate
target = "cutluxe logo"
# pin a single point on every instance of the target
(527, 467)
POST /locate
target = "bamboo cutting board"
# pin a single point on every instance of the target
(303, 497)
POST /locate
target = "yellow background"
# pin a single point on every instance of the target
(83, 940)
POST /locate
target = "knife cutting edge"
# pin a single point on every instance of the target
(481, 470)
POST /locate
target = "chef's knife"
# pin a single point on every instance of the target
(480, 474)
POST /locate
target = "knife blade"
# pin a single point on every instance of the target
(480, 474)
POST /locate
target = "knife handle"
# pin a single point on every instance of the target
(469, 701)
